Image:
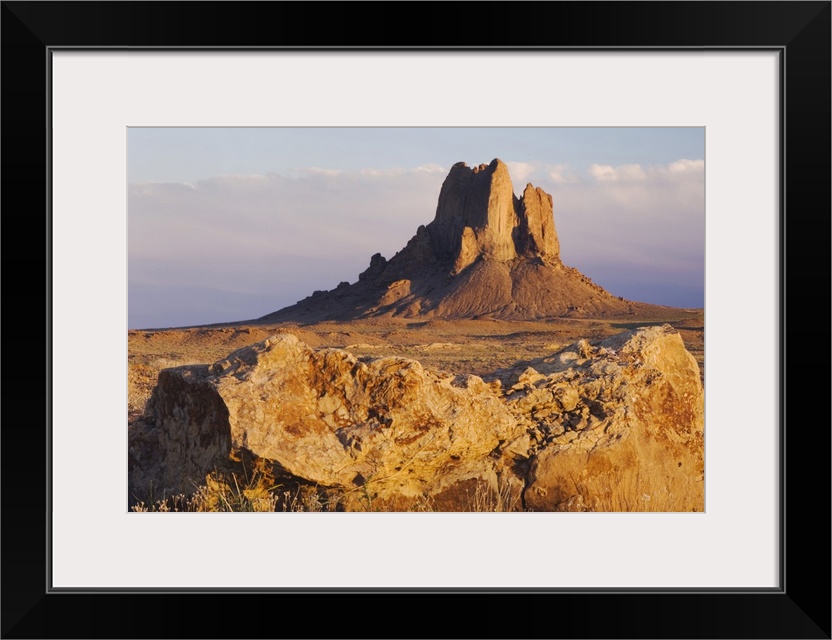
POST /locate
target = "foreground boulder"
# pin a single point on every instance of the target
(612, 426)
(330, 419)
(616, 426)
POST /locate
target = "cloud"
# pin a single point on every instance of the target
(537, 172)
(263, 234)
(636, 172)
(520, 172)
(636, 228)
(431, 168)
(560, 174)
(367, 172)
(686, 166)
(607, 173)
(317, 171)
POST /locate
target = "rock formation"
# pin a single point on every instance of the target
(616, 425)
(486, 253)
(478, 216)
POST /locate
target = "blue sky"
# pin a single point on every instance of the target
(233, 223)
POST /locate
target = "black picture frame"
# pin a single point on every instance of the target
(799, 608)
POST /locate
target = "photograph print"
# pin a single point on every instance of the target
(416, 319)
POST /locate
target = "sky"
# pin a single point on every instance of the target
(230, 224)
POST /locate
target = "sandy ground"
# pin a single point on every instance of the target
(477, 347)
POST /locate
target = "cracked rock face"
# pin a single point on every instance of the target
(478, 215)
(617, 426)
(611, 426)
(328, 418)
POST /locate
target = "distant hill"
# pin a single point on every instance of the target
(486, 254)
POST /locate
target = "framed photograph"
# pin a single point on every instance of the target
(753, 77)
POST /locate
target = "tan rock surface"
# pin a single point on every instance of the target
(326, 417)
(537, 235)
(617, 426)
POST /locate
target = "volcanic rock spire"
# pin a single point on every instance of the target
(478, 215)
(486, 253)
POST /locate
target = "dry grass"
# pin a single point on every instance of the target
(218, 494)
(227, 492)
(486, 499)
(625, 491)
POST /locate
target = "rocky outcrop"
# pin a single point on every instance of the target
(480, 203)
(479, 217)
(536, 235)
(616, 426)
(327, 418)
(609, 426)
(474, 257)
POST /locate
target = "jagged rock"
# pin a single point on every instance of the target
(387, 426)
(376, 268)
(482, 201)
(616, 425)
(625, 426)
(537, 235)
(485, 253)
(479, 216)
